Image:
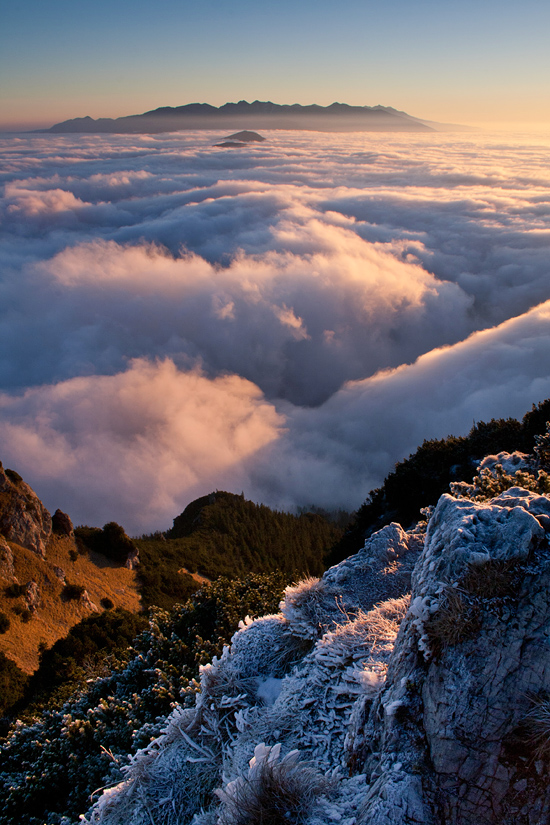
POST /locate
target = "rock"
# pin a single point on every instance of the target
(510, 462)
(381, 570)
(132, 562)
(23, 517)
(62, 524)
(464, 698)
(32, 596)
(7, 569)
(60, 573)
(88, 603)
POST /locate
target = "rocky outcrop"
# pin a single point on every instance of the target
(132, 560)
(32, 596)
(7, 569)
(428, 709)
(86, 602)
(62, 524)
(451, 735)
(23, 517)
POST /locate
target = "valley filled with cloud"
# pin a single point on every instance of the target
(288, 319)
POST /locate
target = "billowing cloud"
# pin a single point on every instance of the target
(344, 296)
(132, 446)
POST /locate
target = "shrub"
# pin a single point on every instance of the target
(537, 724)
(12, 683)
(13, 591)
(111, 541)
(4, 623)
(495, 578)
(72, 592)
(542, 448)
(107, 603)
(23, 612)
(490, 483)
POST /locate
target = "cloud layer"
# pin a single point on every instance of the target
(288, 319)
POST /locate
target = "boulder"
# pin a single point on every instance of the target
(32, 596)
(62, 524)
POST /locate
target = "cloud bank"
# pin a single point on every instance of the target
(287, 319)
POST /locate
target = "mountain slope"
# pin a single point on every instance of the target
(224, 534)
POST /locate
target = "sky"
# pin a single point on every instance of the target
(286, 319)
(472, 61)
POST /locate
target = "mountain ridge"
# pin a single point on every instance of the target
(260, 114)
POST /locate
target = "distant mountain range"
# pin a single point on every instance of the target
(338, 117)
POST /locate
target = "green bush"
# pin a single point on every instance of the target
(4, 623)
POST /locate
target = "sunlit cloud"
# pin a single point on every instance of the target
(338, 297)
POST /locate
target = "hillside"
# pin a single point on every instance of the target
(47, 584)
(223, 534)
(54, 614)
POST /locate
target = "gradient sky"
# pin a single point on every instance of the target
(470, 61)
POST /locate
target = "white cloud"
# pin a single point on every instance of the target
(305, 263)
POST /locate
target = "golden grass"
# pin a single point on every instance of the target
(55, 617)
(195, 576)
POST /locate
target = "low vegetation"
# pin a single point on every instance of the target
(421, 479)
(50, 768)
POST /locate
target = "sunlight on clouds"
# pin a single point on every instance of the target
(138, 442)
(288, 319)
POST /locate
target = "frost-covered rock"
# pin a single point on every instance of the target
(23, 517)
(446, 740)
(381, 570)
(510, 462)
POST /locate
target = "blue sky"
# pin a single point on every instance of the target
(466, 61)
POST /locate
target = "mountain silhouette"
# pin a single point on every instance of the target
(338, 117)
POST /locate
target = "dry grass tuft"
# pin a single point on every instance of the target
(537, 724)
(455, 621)
(495, 578)
(276, 794)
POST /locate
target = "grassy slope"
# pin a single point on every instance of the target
(54, 618)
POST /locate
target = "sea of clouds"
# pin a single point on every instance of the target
(288, 319)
